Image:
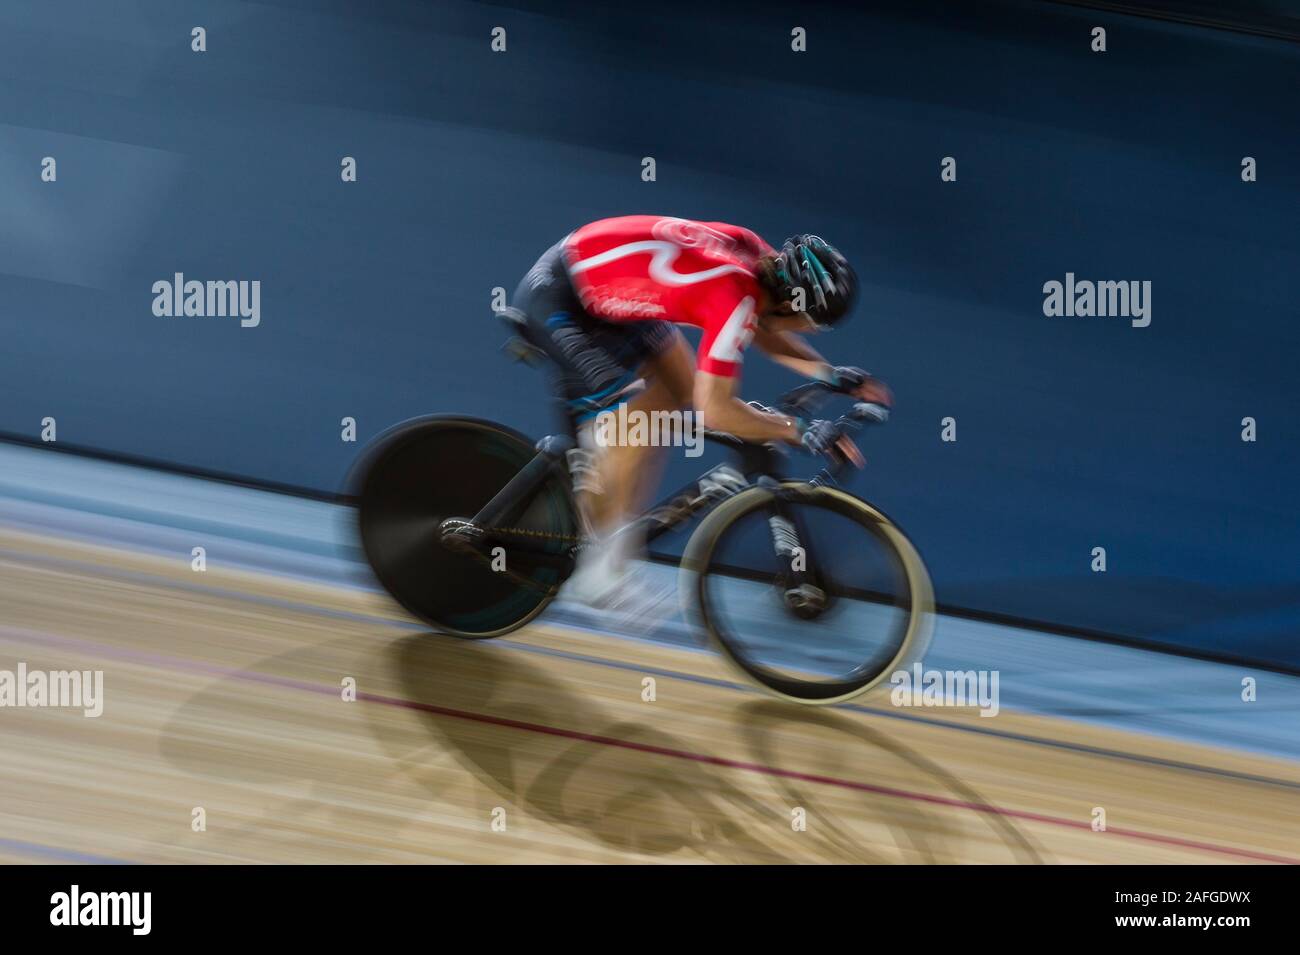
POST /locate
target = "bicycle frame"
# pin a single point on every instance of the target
(757, 464)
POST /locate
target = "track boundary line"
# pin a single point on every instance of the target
(343, 498)
(162, 661)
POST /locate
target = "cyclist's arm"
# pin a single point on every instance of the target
(721, 410)
(792, 351)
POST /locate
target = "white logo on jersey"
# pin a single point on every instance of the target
(690, 234)
(736, 333)
(663, 255)
(602, 303)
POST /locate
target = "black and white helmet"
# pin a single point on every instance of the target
(829, 283)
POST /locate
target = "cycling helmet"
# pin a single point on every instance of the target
(813, 264)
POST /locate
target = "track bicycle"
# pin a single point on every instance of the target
(473, 528)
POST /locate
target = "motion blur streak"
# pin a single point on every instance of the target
(223, 691)
(1073, 432)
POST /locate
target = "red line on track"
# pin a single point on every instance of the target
(812, 777)
(175, 663)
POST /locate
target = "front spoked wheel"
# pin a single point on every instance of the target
(810, 592)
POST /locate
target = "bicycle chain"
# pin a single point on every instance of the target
(526, 532)
(518, 532)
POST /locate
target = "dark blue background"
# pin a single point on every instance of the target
(1073, 432)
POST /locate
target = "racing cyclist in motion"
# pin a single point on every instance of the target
(603, 304)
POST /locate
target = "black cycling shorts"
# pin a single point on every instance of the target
(594, 359)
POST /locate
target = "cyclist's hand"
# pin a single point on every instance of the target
(818, 436)
(822, 437)
(861, 385)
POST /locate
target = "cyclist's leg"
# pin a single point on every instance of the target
(595, 362)
(645, 352)
(628, 473)
(592, 362)
(632, 473)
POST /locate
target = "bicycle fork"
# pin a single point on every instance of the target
(802, 591)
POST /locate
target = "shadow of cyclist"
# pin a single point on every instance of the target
(923, 835)
(507, 722)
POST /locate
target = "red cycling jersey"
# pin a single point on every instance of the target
(637, 268)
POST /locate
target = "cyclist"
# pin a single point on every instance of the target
(602, 304)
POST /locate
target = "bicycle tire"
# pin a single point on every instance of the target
(419, 473)
(696, 570)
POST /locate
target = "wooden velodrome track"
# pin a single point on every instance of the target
(224, 691)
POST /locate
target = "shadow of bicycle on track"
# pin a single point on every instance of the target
(514, 740)
(922, 835)
(440, 709)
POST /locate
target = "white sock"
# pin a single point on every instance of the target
(598, 552)
(625, 543)
(599, 569)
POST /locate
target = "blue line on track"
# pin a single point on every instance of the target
(56, 854)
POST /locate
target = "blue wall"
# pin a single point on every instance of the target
(1072, 432)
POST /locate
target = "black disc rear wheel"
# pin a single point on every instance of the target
(424, 471)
